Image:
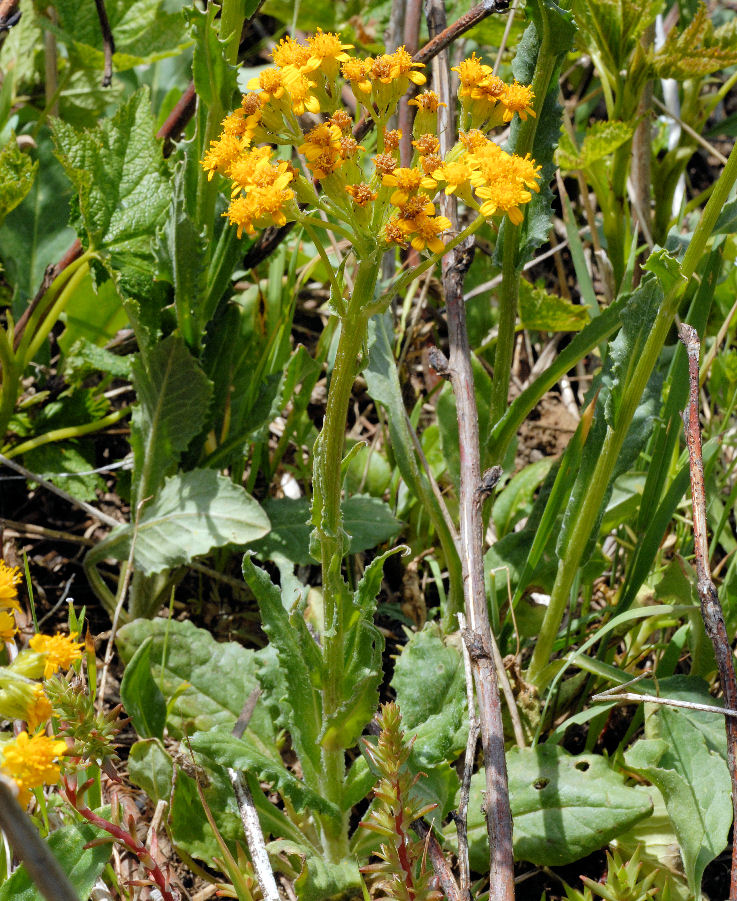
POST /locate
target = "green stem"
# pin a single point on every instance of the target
(231, 26)
(594, 495)
(329, 522)
(76, 431)
(41, 334)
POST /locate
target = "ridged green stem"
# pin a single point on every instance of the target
(594, 495)
(328, 487)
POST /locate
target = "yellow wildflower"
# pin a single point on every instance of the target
(471, 72)
(356, 73)
(10, 576)
(393, 234)
(8, 627)
(349, 147)
(300, 88)
(425, 231)
(472, 139)
(427, 145)
(427, 100)
(517, 98)
(269, 83)
(402, 66)
(289, 52)
(221, 155)
(60, 651)
(254, 169)
(385, 163)
(429, 164)
(406, 181)
(39, 710)
(30, 762)
(326, 52)
(454, 174)
(341, 118)
(259, 207)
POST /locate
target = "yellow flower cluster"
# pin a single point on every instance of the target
(31, 761)
(297, 103)
(9, 578)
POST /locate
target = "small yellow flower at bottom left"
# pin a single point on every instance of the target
(30, 761)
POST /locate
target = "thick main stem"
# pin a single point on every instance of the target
(327, 486)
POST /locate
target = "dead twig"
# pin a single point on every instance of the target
(461, 815)
(248, 813)
(108, 43)
(440, 865)
(711, 609)
(473, 490)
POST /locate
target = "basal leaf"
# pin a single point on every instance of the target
(120, 175)
(228, 751)
(59, 462)
(200, 696)
(368, 520)
(321, 880)
(17, 171)
(151, 768)
(193, 513)
(173, 397)
(563, 807)
(141, 696)
(82, 864)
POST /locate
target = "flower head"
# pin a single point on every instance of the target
(517, 98)
(289, 52)
(361, 194)
(427, 144)
(8, 627)
(10, 576)
(326, 52)
(322, 149)
(427, 100)
(31, 762)
(356, 73)
(60, 651)
(406, 181)
(221, 155)
(259, 207)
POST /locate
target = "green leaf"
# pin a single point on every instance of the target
(151, 768)
(82, 865)
(214, 79)
(563, 807)
(121, 176)
(84, 359)
(173, 397)
(92, 314)
(683, 754)
(601, 140)
(192, 514)
(59, 462)
(141, 696)
(515, 499)
(696, 50)
(200, 696)
(548, 312)
(362, 663)
(144, 30)
(368, 520)
(226, 750)
(17, 172)
(300, 661)
(33, 235)
(324, 881)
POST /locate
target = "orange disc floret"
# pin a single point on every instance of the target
(31, 762)
(269, 84)
(341, 118)
(426, 145)
(393, 234)
(361, 194)
(349, 147)
(429, 164)
(60, 651)
(517, 98)
(392, 137)
(222, 154)
(385, 163)
(356, 73)
(10, 576)
(472, 139)
(406, 181)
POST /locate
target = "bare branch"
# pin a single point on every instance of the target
(711, 609)
(108, 43)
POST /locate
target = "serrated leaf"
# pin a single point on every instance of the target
(121, 176)
(563, 807)
(144, 30)
(82, 865)
(214, 79)
(362, 661)
(548, 312)
(300, 661)
(17, 171)
(193, 513)
(59, 462)
(226, 750)
(368, 520)
(173, 397)
(696, 50)
(683, 754)
(601, 140)
(614, 27)
(141, 696)
(85, 358)
(200, 696)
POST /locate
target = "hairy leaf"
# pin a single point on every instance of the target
(193, 513)
(17, 171)
(697, 50)
(601, 140)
